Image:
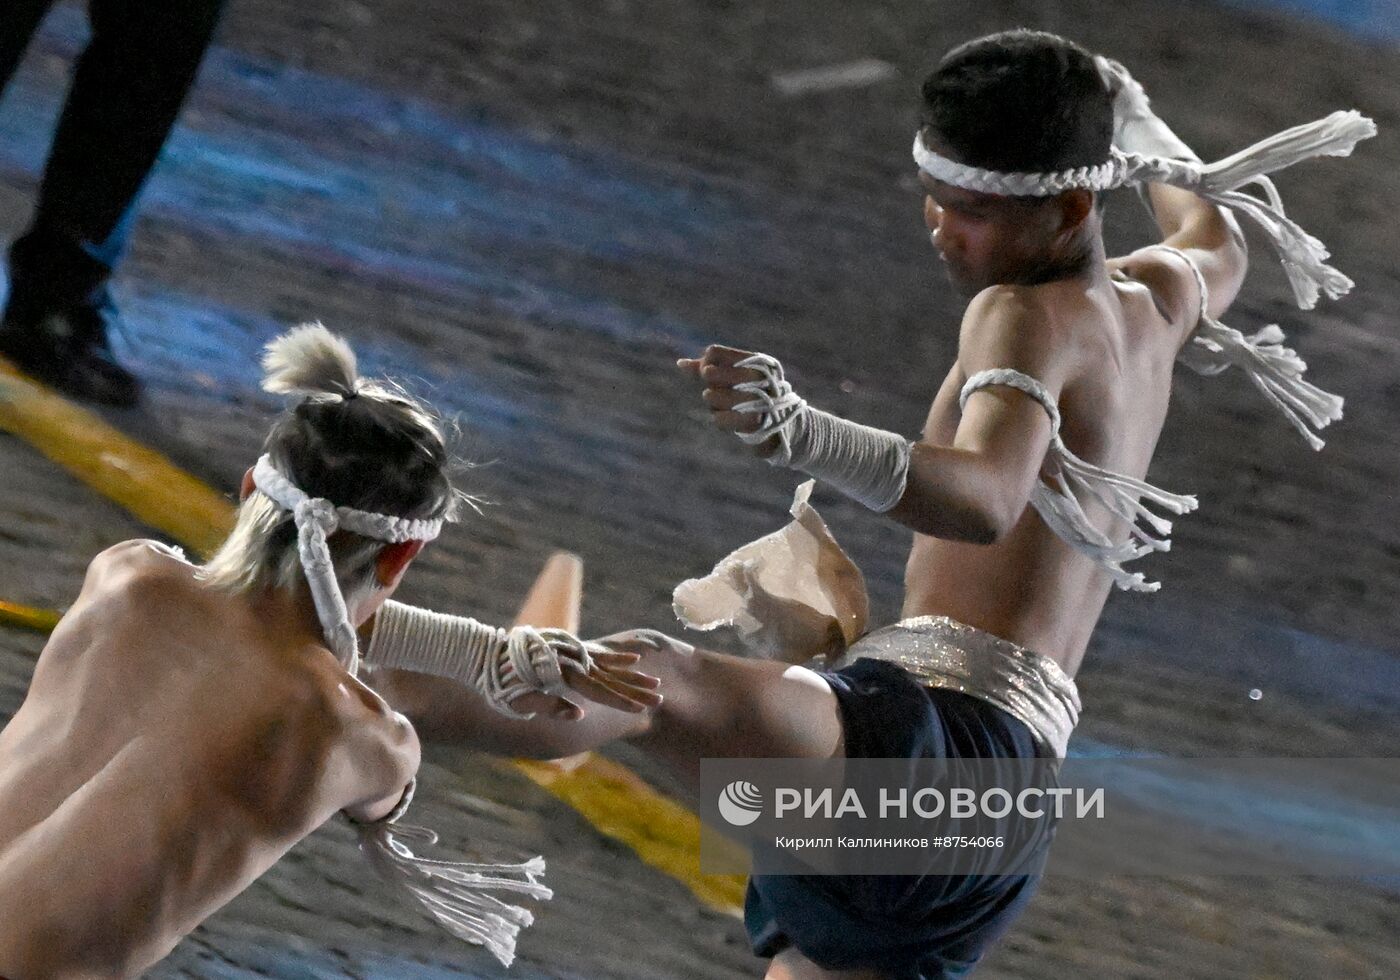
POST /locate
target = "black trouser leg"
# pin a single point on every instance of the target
(126, 93)
(18, 20)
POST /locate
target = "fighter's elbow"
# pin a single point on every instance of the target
(989, 527)
(972, 522)
(994, 518)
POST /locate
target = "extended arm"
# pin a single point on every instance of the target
(503, 691)
(509, 670)
(973, 490)
(715, 706)
(447, 712)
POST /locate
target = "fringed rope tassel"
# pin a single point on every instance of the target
(1334, 135)
(1125, 497)
(454, 894)
(1275, 370)
(1303, 256)
(1063, 515)
(1058, 503)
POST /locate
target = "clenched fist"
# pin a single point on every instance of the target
(717, 368)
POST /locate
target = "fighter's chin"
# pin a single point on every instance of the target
(961, 283)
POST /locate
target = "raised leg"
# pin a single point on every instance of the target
(715, 706)
(720, 707)
(728, 706)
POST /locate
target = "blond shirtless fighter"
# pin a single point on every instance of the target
(1025, 490)
(185, 726)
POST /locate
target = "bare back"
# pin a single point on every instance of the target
(171, 748)
(1030, 586)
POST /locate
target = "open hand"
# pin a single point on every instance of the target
(612, 681)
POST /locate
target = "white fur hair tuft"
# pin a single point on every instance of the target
(309, 360)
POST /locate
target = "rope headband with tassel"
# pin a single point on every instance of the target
(454, 894)
(1303, 256)
(316, 520)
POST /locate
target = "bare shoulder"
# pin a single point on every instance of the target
(141, 557)
(1020, 327)
(315, 743)
(340, 708)
(1170, 279)
(134, 577)
(1008, 301)
(377, 746)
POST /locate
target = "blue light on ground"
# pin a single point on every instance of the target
(1293, 818)
(1240, 646)
(191, 344)
(1374, 19)
(515, 213)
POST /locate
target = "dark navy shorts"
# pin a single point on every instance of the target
(910, 927)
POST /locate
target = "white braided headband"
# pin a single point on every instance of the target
(1303, 256)
(316, 519)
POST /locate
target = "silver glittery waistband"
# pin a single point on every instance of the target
(942, 652)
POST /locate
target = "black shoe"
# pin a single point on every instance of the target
(69, 350)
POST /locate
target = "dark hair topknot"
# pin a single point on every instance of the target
(361, 444)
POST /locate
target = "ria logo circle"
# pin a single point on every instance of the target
(740, 803)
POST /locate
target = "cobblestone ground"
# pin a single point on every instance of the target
(528, 210)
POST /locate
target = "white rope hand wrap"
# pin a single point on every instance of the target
(498, 664)
(1303, 256)
(316, 520)
(1058, 504)
(867, 464)
(1276, 370)
(775, 402)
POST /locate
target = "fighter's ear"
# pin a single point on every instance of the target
(246, 488)
(1075, 207)
(393, 561)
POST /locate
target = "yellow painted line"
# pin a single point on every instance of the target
(144, 482)
(661, 831)
(618, 803)
(29, 618)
